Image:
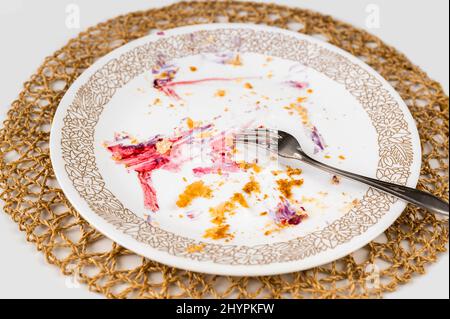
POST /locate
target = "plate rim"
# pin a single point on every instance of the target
(210, 267)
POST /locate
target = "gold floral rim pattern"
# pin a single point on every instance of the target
(394, 138)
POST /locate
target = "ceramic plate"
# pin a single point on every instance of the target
(142, 146)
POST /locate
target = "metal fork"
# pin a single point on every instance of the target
(287, 146)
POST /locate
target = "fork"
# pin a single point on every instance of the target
(287, 146)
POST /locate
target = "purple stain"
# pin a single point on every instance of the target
(162, 67)
(237, 41)
(318, 140)
(191, 214)
(295, 220)
(286, 214)
(164, 75)
(225, 58)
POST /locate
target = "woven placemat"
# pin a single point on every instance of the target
(35, 202)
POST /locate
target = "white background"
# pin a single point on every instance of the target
(31, 30)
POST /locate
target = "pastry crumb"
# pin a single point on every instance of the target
(285, 186)
(293, 171)
(248, 85)
(236, 61)
(195, 248)
(239, 198)
(335, 180)
(220, 230)
(190, 123)
(251, 187)
(163, 146)
(192, 191)
(220, 93)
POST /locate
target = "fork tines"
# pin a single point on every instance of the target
(263, 137)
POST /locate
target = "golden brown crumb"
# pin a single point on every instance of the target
(239, 198)
(285, 186)
(236, 61)
(248, 85)
(218, 232)
(157, 101)
(195, 248)
(293, 171)
(335, 180)
(190, 123)
(192, 191)
(276, 173)
(275, 228)
(341, 157)
(245, 166)
(221, 93)
(256, 168)
(193, 68)
(163, 146)
(134, 141)
(252, 186)
(263, 214)
(310, 91)
(218, 213)
(301, 111)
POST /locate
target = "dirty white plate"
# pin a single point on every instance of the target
(141, 146)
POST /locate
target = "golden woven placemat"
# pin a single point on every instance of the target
(34, 201)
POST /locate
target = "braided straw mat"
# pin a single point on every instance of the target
(35, 202)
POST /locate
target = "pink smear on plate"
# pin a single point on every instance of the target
(165, 74)
(144, 158)
(297, 84)
(166, 86)
(221, 156)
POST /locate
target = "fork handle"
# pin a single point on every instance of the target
(411, 195)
